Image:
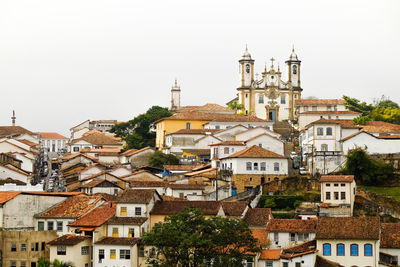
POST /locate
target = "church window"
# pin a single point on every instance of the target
(260, 99)
(247, 68)
(329, 131)
(295, 96)
(294, 69)
(283, 99)
(188, 125)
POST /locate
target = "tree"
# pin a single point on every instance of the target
(367, 170)
(42, 262)
(234, 105)
(189, 239)
(58, 263)
(385, 102)
(159, 159)
(358, 106)
(138, 132)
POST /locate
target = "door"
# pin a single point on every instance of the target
(272, 115)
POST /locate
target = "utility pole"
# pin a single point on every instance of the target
(216, 184)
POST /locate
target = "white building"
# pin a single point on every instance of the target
(100, 125)
(337, 195)
(53, 142)
(384, 144)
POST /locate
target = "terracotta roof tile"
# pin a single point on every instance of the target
(390, 235)
(185, 186)
(196, 131)
(127, 220)
(172, 207)
(348, 228)
(270, 254)
(229, 143)
(148, 183)
(13, 130)
(208, 116)
(98, 138)
(73, 207)
(72, 156)
(333, 112)
(118, 241)
(107, 197)
(337, 178)
(95, 183)
(96, 217)
(322, 262)
(258, 216)
(51, 135)
(209, 173)
(68, 240)
(320, 102)
(381, 127)
(28, 143)
(301, 249)
(234, 208)
(198, 152)
(11, 181)
(7, 196)
(255, 152)
(290, 225)
(132, 152)
(180, 167)
(262, 236)
(137, 196)
(206, 107)
(346, 124)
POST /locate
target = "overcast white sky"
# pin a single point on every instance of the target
(62, 62)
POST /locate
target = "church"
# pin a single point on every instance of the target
(269, 97)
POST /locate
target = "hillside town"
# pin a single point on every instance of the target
(280, 163)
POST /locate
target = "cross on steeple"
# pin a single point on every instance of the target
(272, 62)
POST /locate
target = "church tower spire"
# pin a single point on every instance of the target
(175, 96)
(294, 70)
(246, 65)
(13, 118)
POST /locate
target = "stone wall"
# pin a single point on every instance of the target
(292, 185)
(243, 181)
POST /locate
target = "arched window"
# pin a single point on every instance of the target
(329, 131)
(260, 98)
(294, 69)
(353, 250)
(327, 249)
(324, 147)
(188, 125)
(367, 250)
(320, 131)
(340, 249)
(276, 166)
(226, 150)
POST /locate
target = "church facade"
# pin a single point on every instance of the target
(269, 97)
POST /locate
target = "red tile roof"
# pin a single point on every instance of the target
(346, 124)
(127, 220)
(28, 143)
(206, 116)
(11, 181)
(390, 235)
(258, 216)
(337, 178)
(96, 183)
(137, 196)
(198, 152)
(118, 241)
(291, 225)
(148, 183)
(13, 131)
(365, 228)
(381, 127)
(209, 173)
(270, 254)
(333, 112)
(206, 107)
(73, 207)
(255, 152)
(322, 262)
(234, 208)
(299, 250)
(320, 102)
(262, 236)
(96, 217)
(229, 143)
(98, 138)
(172, 207)
(132, 152)
(68, 240)
(180, 167)
(196, 131)
(7, 196)
(51, 135)
(185, 186)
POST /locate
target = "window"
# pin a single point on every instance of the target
(59, 226)
(342, 184)
(286, 264)
(320, 131)
(226, 150)
(37, 246)
(255, 166)
(328, 185)
(276, 166)
(367, 250)
(85, 250)
(314, 108)
(23, 264)
(326, 249)
(298, 264)
(276, 237)
(138, 211)
(269, 264)
(217, 127)
(23, 247)
(263, 166)
(61, 250)
(292, 237)
(115, 232)
(76, 149)
(101, 254)
(13, 264)
(336, 194)
(353, 250)
(305, 108)
(40, 226)
(125, 254)
(340, 249)
(328, 196)
(50, 226)
(131, 232)
(249, 262)
(248, 166)
(342, 195)
(283, 99)
(335, 185)
(329, 108)
(43, 246)
(123, 211)
(113, 254)
(260, 99)
(13, 247)
(324, 147)
(141, 251)
(188, 125)
(303, 236)
(329, 131)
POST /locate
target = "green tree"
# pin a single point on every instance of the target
(58, 263)
(139, 132)
(234, 105)
(270, 203)
(391, 115)
(358, 106)
(367, 170)
(159, 159)
(42, 262)
(189, 239)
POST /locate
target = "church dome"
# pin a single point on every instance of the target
(246, 54)
(293, 55)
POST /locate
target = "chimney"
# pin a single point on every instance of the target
(13, 118)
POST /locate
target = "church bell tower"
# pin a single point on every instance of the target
(294, 70)
(246, 66)
(175, 96)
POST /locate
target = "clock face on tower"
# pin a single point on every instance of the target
(247, 68)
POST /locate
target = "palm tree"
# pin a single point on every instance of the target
(235, 106)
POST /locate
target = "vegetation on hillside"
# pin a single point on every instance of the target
(382, 109)
(189, 239)
(159, 159)
(139, 132)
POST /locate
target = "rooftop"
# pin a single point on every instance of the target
(196, 131)
(337, 178)
(132, 152)
(180, 167)
(255, 152)
(127, 220)
(118, 241)
(301, 249)
(333, 112)
(381, 127)
(366, 228)
(44, 135)
(346, 124)
(172, 207)
(290, 225)
(7, 196)
(207, 116)
(137, 196)
(98, 138)
(322, 262)
(234, 208)
(229, 143)
(13, 130)
(68, 240)
(390, 235)
(270, 254)
(301, 102)
(258, 216)
(96, 217)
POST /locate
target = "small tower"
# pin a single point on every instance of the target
(246, 65)
(13, 118)
(175, 96)
(294, 70)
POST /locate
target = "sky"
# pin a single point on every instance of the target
(63, 62)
